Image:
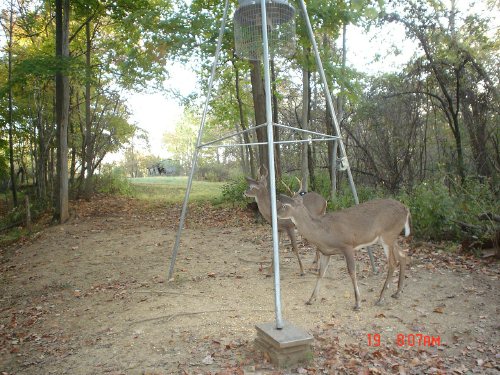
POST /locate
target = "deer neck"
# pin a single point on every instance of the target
(264, 204)
(309, 226)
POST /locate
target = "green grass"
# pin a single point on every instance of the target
(173, 189)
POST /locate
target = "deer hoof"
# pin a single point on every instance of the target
(379, 302)
(357, 307)
(395, 295)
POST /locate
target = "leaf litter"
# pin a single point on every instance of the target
(91, 296)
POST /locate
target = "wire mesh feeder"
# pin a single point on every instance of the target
(248, 29)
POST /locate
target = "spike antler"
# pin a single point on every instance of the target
(301, 190)
(287, 188)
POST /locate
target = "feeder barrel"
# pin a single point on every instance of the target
(248, 28)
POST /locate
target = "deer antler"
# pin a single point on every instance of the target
(287, 187)
(301, 185)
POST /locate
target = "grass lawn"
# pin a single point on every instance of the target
(172, 189)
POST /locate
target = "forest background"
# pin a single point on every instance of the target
(427, 134)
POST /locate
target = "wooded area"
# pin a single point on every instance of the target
(90, 295)
(66, 64)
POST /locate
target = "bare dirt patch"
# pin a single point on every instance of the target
(91, 297)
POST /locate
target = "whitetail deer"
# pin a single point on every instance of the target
(345, 231)
(314, 202)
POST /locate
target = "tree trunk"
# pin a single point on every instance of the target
(72, 168)
(475, 115)
(62, 110)
(10, 116)
(89, 155)
(244, 125)
(41, 156)
(259, 103)
(450, 104)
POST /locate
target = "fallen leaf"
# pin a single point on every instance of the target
(208, 360)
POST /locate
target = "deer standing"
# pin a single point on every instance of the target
(344, 231)
(259, 190)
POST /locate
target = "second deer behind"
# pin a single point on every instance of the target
(258, 190)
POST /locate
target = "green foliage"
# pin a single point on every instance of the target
(472, 199)
(437, 210)
(232, 191)
(4, 152)
(432, 211)
(113, 182)
(15, 219)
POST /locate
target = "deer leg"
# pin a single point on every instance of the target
(316, 260)
(401, 257)
(270, 270)
(324, 260)
(392, 265)
(351, 268)
(293, 239)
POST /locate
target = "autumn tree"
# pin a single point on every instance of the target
(455, 61)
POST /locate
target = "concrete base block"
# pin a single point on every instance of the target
(287, 346)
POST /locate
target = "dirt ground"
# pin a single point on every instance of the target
(92, 297)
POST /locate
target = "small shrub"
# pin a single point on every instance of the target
(433, 211)
(112, 183)
(232, 191)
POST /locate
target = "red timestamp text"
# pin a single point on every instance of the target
(410, 339)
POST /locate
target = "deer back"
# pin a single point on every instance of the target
(366, 222)
(315, 203)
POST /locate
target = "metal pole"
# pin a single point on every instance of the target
(272, 177)
(332, 111)
(198, 142)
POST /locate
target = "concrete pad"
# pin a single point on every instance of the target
(287, 346)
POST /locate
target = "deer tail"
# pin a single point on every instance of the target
(408, 224)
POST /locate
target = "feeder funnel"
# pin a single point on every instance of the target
(248, 29)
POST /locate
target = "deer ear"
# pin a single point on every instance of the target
(263, 172)
(250, 180)
(285, 199)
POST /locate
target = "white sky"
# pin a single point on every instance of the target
(157, 113)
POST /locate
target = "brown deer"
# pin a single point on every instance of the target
(342, 232)
(314, 202)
